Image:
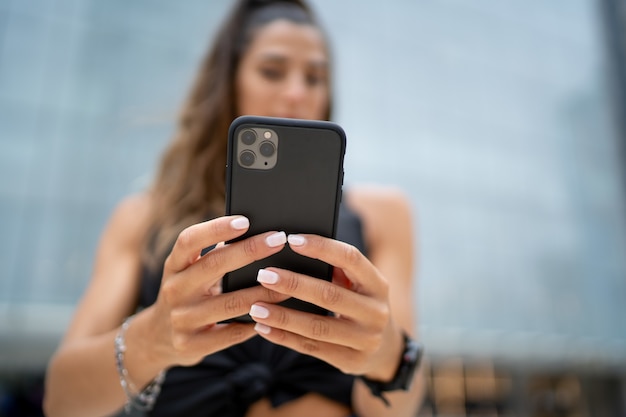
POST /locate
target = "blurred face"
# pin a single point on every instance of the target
(284, 73)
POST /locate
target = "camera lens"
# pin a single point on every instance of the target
(248, 137)
(247, 158)
(267, 149)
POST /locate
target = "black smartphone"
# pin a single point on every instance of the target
(284, 175)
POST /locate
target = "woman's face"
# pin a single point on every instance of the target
(284, 73)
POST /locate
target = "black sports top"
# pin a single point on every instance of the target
(226, 383)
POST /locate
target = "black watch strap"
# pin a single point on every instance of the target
(409, 363)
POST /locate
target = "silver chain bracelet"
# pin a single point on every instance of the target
(141, 400)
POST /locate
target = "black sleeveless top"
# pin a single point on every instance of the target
(226, 383)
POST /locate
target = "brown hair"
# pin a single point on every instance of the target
(189, 185)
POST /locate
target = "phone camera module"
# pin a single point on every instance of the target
(267, 149)
(248, 137)
(247, 158)
(257, 148)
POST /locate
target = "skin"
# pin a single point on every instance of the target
(283, 73)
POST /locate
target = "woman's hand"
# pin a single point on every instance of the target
(361, 338)
(186, 314)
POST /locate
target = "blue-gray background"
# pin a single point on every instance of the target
(494, 117)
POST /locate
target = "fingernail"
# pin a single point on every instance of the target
(262, 328)
(259, 312)
(240, 223)
(296, 240)
(277, 239)
(267, 277)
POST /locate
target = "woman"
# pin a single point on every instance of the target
(269, 59)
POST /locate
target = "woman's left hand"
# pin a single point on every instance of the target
(361, 338)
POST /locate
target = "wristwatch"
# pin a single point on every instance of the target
(409, 363)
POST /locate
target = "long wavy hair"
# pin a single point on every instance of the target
(190, 183)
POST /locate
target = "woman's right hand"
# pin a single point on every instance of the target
(184, 319)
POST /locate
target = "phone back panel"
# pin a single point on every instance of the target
(300, 193)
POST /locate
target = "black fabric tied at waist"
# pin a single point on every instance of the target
(227, 383)
(249, 383)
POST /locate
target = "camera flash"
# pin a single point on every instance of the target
(267, 134)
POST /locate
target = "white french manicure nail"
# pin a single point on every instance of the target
(277, 239)
(296, 240)
(267, 277)
(262, 328)
(259, 312)
(240, 223)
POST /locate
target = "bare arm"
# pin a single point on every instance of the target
(81, 378)
(179, 329)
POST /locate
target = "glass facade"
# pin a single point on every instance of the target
(495, 118)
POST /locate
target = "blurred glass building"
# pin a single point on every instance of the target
(504, 122)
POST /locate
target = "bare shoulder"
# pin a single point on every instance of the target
(133, 209)
(130, 218)
(134, 202)
(380, 196)
(384, 209)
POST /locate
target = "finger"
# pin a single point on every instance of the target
(198, 278)
(192, 346)
(347, 360)
(193, 239)
(340, 278)
(313, 326)
(357, 268)
(219, 308)
(324, 294)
